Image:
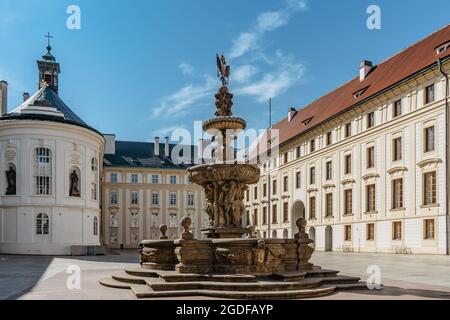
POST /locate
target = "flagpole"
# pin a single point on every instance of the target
(269, 217)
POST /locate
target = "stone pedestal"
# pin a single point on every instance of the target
(194, 256)
(157, 254)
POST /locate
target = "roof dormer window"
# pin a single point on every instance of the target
(307, 121)
(359, 93)
(443, 47)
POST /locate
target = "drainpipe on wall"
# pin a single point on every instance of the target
(447, 249)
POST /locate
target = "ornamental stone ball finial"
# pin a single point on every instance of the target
(163, 230)
(186, 223)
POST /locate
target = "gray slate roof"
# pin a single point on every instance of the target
(141, 155)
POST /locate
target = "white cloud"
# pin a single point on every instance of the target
(176, 103)
(271, 20)
(245, 42)
(266, 21)
(244, 73)
(288, 73)
(186, 68)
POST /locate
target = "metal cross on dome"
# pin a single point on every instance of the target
(48, 36)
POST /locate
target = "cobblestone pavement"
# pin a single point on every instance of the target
(403, 277)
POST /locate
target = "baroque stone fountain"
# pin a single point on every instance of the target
(231, 262)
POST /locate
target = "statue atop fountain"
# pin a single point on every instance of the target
(225, 181)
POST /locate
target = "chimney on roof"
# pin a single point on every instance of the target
(156, 146)
(291, 113)
(166, 147)
(364, 68)
(4, 97)
(110, 146)
(26, 96)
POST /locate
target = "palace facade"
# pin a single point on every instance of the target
(144, 187)
(367, 164)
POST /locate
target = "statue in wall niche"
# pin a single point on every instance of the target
(74, 190)
(11, 180)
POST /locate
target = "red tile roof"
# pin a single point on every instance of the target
(397, 68)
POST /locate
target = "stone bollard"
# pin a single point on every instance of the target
(304, 249)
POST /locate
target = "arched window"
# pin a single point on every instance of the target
(95, 226)
(42, 224)
(94, 168)
(43, 171)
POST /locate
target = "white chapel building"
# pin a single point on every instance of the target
(50, 164)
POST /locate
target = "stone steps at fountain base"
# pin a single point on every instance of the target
(147, 292)
(222, 286)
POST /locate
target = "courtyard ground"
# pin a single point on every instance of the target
(403, 276)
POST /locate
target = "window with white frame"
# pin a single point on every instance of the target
(134, 197)
(155, 198)
(43, 171)
(94, 165)
(113, 177)
(173, 223)
(134, 220)
(113, 220)
(42, 224)
(95, 226)
(154, 220)
(134, 178)
(94, 187)
(113, 197)
(190, 199)
(155, 179)
(173, 198)
(173, 179)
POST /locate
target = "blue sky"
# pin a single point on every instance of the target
(142, 68)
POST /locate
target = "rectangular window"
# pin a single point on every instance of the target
(329, 205)
(190, 199)
(285, 158)
(247, 195)
(113, 177)
(155, 198)
(285, 212)
(173, 199)
(173, 179)
(429, 229)
(113, 197)
(312, 175)
(397, 149)
(329, 170)
(370, 198)
(312, 146)
(348, 196)
(347, 232)
(397, 108)
(429, 94)
(43, 171)
(255, 192)
(348, 164)
(264, 217)
(429, 139)
(397, 230)
(274, 187)
(370, 120)
(255, 217)
(274, 214)
(397, 194)
(134, 178)
(134, 197)
(370, 232)
(329, 138)
(312, 207)
(429, 188)
(285, 184)
(298, 181)
(298, 152)
(264, 189)
(155, 179)
(348, 130)
(370, 157)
